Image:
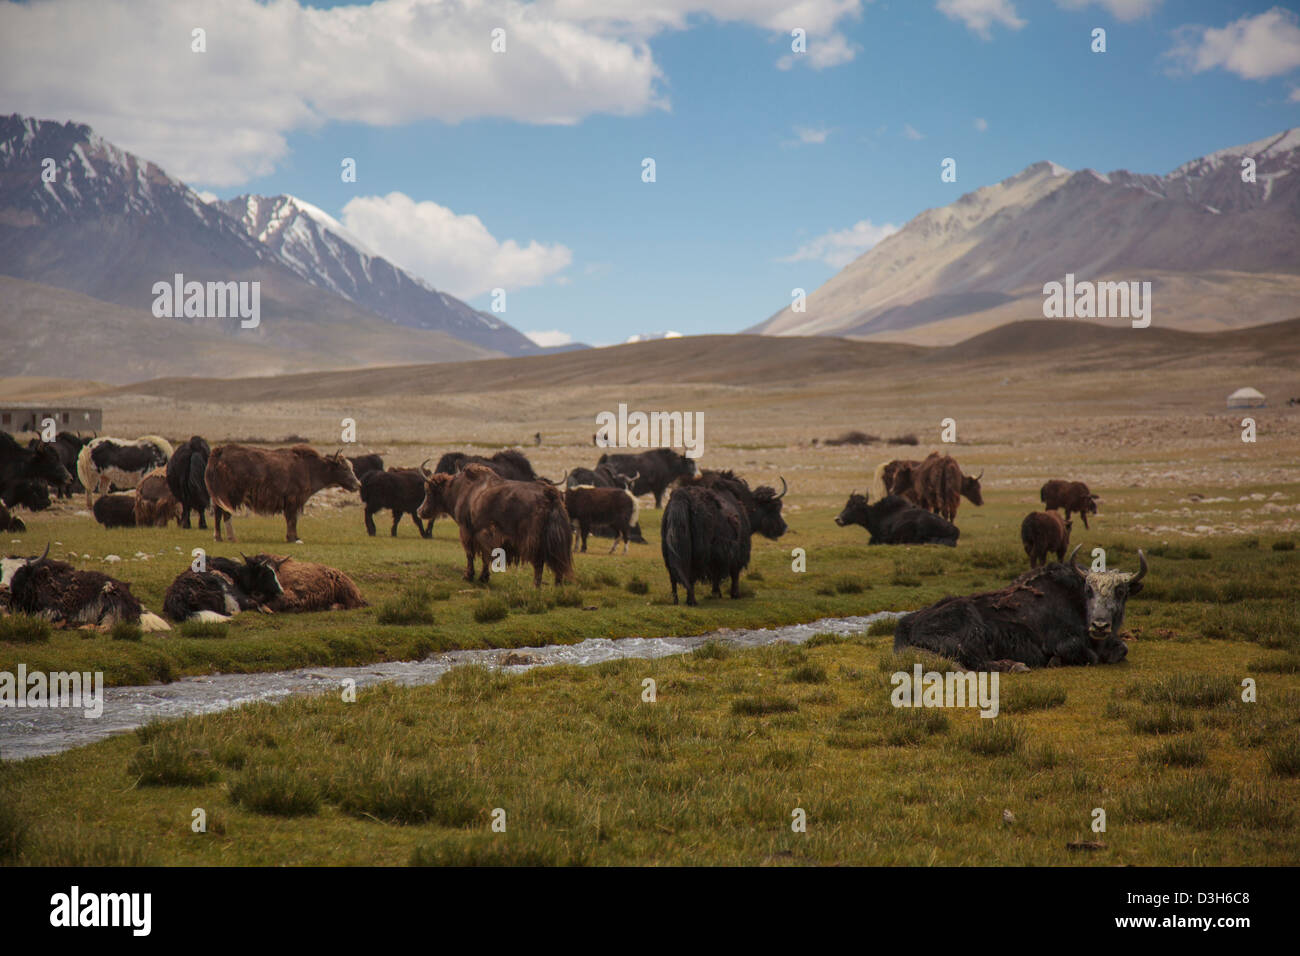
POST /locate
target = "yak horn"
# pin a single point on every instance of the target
(425, 471)
(1142, 561)
(784, 488)
(980, 475)
(42, 557)
(1070, 559)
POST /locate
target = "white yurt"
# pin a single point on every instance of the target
(1246, 398)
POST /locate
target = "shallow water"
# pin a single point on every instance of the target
(34, 732)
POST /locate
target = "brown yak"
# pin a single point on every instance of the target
(310, 587)
(526, 519)
(271, 481)
(1043, 532)
(941, 485)
(155, 505)
(1069, 496)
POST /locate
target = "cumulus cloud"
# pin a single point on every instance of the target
(455, 253)
(1254, 48)
(840, 247)
(979, 16)
(981, 124)
(222, 117)
(1124, 10)
(550, 338)
(809, 136)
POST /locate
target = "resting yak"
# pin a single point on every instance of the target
(1053, 616)
(311, 587)
(895, 520)
(224, 589)
(67, 597)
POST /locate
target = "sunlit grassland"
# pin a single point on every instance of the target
(589, 772)
(1226, 587)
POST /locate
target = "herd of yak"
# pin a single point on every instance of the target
(1056, 614)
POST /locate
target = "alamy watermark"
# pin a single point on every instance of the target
(179, 299)
(949, 689)
(1098, 300)
(57, 689)
(624, 429)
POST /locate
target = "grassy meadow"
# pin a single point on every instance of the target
(587, 772)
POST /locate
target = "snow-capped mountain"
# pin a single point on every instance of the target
(319, 249)
(1219, 251)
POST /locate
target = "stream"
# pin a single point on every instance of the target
(33, 732)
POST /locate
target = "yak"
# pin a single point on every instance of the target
(509, 464)
(363, 465)
(30, 493)
(1056, 615)
(39, 463)
(67, 597)
(271, 481)
(525, 519)
(1070, 496)
(155, 505)
(311, 587)
(185, 473)
(115, 511)
(120, 463)
(590, 507)
(401, 491)
(652, 471)
(895, 520)
(224, 589)
(8, 522)
(1043, 532)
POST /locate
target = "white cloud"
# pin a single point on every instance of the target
(222, 117)
(454, 253)
(550, 338)
(822, 54)
(1254, 48)
(981, 124)
(980, 15)
(809, 136)
(1124, 10)
(652, 336)
(839, 248)
(911, 133)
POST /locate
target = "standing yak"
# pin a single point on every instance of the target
(271, 481)
(654, 470)
(706, 529)
(185, 474)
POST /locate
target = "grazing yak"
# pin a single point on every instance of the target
(115, 511)
(30, 493)
(652, 471)
(509, 464)
(935, 484)
(66, 597)
(223, 590)
(1043, 532)
(39, 463)
(895, 520)
(8, 522)
(605, 477)
(589, 507)
(155, 506)
(363, 465)
(106, 463)
(185, 473)
(401, 491)
(1069, 495)
(526, 519)
(706, 529)
(1056, 615)
(271, 481)
(311, 587)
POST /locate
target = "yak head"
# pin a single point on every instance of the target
(258, 578)
(765, 512)
(1106, 594)
(435, 493)
(32, 494)
(47, 466)
(338, 471)
(970, 487)
(855, 511)
(1090, 505)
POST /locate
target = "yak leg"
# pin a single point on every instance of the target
(420, 525)
(291, 524)
(586, 530)
(673, 581)
(217, 514)
(185, 517)
(717, 586)
(659, 496)
(538, 568)
(467, 542)
(735, 584)
(690, 594)
(370, 522)
(397, 516)
(203, 519)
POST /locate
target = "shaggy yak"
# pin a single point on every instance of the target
(115, 511)
(185, 479)
(155, 505)
(8, 522)
(223, 590)
(311, 587)
(67, 597)
(271, 481)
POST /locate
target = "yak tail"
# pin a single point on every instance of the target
(196, 487)
(878, 489)
(557, 544)
(152, 622)
(211, 617)
(675, 539)
(636, 508)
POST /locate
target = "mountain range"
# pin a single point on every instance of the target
(99, 227)
(1219, 251)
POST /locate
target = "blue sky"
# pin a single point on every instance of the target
(754, 162)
